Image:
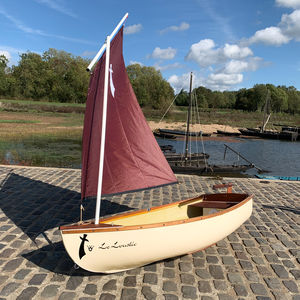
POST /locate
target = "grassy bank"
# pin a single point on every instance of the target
(49, 134)
(234, 118)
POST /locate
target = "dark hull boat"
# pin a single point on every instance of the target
(202, 169)
(221, 132)
(283, 135)
(274, 135)
(178, 157)
(179, 132)
(176, 133)
(163, 135)
(249, 132)
(167, 149)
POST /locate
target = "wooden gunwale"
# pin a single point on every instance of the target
(102, 227)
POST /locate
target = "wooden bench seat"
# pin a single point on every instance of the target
(213, 204)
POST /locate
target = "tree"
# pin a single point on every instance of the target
(260, 94)
(67, 79)
(30, 76)
(279, 98)
(150, 88)
(293, 99)
(204, 96)
(3, 75)
(182, 99)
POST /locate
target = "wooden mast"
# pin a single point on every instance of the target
(188, 122)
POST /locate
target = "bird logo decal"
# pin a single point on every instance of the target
(81, 248)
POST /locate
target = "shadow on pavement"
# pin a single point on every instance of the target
(36, 207)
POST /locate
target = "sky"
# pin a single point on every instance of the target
(227, 44)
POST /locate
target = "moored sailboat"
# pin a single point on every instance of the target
(120, 154)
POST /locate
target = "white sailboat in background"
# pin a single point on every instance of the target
(120, 154)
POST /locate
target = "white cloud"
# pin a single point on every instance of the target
(6, 54)
(182, 27)
(225, 64)
(289, 3)
(236, 52)
(290, 25)
(287, 29)
(235, 66)
(238, 66)
(270, 36)
(183, 81)
(222, 81)
(204, 53)
(132, 62)
(56, 6)
(132, 29)
(218, 81)
(159, 53)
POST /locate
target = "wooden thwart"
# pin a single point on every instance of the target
(213, 204)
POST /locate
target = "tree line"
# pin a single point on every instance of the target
(59, 76)
(282, 98)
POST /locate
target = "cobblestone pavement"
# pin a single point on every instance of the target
(258, 261)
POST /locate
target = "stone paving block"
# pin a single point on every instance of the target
(258, 289)
(107, 296)
(187, 279)
(9, 289)
(128, 294)
(90, 289)
(50, 291)
(148, 293)
(291, 286)
(110, 285)
(204, 286)
(29, 293)
(169, 286)
(150, 278)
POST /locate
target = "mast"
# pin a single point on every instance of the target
(266, 112)
(104, 113)
(103, 133)
(188, 122)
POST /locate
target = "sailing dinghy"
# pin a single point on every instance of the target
(120, 154)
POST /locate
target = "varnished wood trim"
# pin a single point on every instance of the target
(88, 228)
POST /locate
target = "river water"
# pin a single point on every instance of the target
(279, 158)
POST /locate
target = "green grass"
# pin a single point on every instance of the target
(47, 151)
(32, 102)
(229, 117)
(19, 121)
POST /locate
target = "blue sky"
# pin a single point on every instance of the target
(228, 44)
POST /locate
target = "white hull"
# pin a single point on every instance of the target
(113, 249)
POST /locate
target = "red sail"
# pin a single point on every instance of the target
(132, 158)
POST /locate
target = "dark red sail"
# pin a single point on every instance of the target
(132, 158)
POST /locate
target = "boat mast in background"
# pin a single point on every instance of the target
(267, 111)
(188, 122)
